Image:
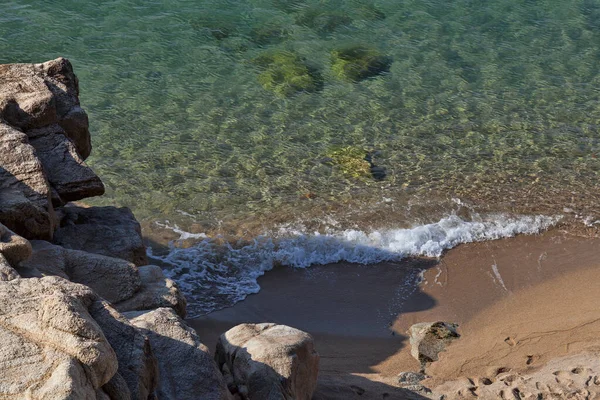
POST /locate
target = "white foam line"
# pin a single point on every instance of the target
(498, 276)
(214, 276)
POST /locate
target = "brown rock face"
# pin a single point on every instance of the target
(268, 361)
(25, 205)
(51, 347)
(428, 339)
(109, 231)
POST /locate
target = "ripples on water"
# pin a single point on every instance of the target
(493, 102)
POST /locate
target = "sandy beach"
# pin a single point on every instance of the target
(521, 303)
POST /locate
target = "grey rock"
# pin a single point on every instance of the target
(138, 367)
(410, 378)
(186, 368)
(7, 273)
(428, 339)
(155, 291)
(112, 278)
(67, 173)
(269, 361)
(109, 231)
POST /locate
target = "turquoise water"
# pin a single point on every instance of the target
(492, 102)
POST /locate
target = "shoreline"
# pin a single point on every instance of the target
(359, 314)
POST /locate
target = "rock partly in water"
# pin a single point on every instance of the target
(428, 339)
(25, 205)
(268, 361)
(186, 368)
(67, 173)
(112, 278)
(51, 346)
(109, 231)
(155, 291)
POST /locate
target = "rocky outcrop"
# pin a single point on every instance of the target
(268, 361)
(109, 231)
(155, 291)
(37, 95)
(112, 278)
(51, 346)
(186, 369)
(13, 247)
(428, 339)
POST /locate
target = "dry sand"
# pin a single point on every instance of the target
(521, 303)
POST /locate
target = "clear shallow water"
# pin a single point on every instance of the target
(493, 102)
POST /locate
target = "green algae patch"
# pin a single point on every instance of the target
(350, 160)
(286, 74)
(356, 63)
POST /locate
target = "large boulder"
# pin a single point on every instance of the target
(112, 278)
(186, 368)
(51, 346)
(109, 231)
(428, 339)
(268, 361)
(25, 205)
(36, 95)
(155, 291)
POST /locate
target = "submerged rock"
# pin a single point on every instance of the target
(268, 361)
(108, 231)
(187, 371)
(428, 339)
(351, 161)
(285, 74)
(356, 63)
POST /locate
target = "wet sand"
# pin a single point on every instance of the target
(508, 296)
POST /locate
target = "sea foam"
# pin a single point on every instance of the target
(214, 275)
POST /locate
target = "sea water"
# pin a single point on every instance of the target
(236, 122)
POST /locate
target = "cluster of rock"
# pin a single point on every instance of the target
(82, 314)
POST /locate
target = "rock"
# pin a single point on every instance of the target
(37, 95)
(112, 278)
(51, 346)
(410, 378)
(186, 368)
(109, 231)
(356, 63)
(428, 339)
(25, 206)
(138, 367)
(269, 361)
(7, 273)
(13, 247)
(155, 291)
(67, 173)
